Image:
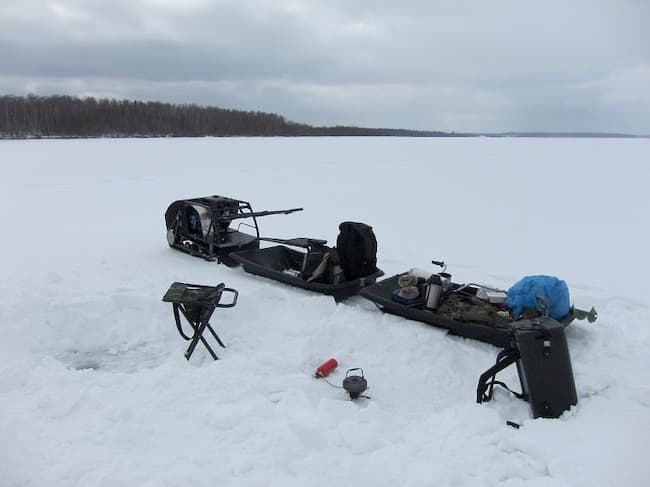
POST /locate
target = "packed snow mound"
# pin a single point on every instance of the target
(94, 389)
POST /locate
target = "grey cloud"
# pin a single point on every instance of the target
(434, 65)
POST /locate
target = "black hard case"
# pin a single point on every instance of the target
(544, 367)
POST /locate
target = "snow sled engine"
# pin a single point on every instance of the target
(472, 310)
(339, 271)
(197, 303)
(202, 226)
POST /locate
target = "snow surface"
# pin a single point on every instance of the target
(94, 389)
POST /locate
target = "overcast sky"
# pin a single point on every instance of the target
(494, 66)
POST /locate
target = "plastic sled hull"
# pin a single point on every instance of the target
(380, 294)
(273, 262)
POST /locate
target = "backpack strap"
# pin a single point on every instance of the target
(314, 262)
(337, 275)
(320, 270)
(505, 358)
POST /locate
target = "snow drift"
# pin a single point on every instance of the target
(94, 389)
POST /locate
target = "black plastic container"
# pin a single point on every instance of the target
(283, 264)
(544, 367)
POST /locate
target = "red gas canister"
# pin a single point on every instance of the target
(326, 368)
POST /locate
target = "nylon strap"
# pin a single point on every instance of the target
(505, 358)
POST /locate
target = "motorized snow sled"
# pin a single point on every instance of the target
(471, 310)
(202, 226)
(339, 272)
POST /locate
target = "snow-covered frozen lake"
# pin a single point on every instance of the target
(94, 388)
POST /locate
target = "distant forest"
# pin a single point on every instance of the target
(65, 116)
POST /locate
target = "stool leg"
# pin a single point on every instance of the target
(198, 335)
(216, 337)
(205, 343)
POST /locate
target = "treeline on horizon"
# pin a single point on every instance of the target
(66, 116)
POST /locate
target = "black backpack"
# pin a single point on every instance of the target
(357, 248)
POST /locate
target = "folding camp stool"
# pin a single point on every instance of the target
(197, 303)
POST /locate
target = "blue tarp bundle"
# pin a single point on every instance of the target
(523, 295)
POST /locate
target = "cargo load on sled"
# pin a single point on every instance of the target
(472, 310)
(339, 271)
(202, 226)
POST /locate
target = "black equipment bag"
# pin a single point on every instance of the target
(540, 350)
(357, 248)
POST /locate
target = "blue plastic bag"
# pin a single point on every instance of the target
(523, 295)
